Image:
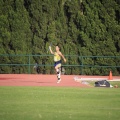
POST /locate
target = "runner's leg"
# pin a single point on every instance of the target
(58, 71)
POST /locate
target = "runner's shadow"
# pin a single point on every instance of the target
(7, 78)
(35, 82)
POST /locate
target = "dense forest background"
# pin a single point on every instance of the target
(80, 27)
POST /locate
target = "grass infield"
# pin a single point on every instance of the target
(59, 103)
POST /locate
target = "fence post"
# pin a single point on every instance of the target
(82, 65)
(29, 64)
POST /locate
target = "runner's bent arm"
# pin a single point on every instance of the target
(62, 56)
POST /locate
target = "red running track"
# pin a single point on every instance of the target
(43, 80)
(38, 80)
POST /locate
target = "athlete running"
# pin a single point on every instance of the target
(57, 61)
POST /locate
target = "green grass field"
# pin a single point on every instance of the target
(59, 103)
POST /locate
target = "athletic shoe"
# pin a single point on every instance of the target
(59, 81)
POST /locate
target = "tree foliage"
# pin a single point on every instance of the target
(81, 27)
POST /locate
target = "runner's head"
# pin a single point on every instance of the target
(57, 47)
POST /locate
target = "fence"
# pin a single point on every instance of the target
(83, 62)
